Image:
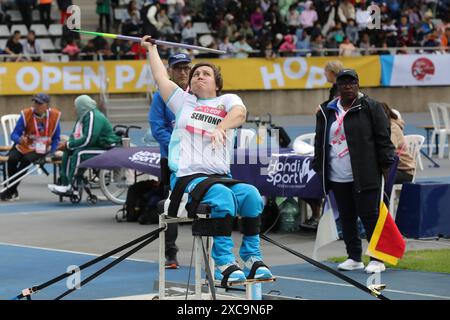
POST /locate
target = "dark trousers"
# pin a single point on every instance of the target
(352, 205)
(45, 13)
(27, 16)
(17, 162)
(107, 18)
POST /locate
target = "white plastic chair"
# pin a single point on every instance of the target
(445, 110)
(413, 143)
(245, 136)
(299, 143)
(8, 122)
(439, 128)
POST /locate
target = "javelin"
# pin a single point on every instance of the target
(157, 42)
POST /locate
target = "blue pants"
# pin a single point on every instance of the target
(241, 198)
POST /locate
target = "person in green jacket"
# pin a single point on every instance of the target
(91, 135)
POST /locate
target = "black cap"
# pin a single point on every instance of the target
(179, 58)
(347, 73)
(41, 98)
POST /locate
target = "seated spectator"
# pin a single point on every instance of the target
(351, 31)
(132, 26)
(31, 47)
(303, 43)
(14, 47)
(426, 26)
(362, 16)
(247, 32)
(431, 41)
(257, 21)
(267, 50)
(242, 48)
(227, 46)
(121, 49)
(365, 44)
(101, 46)
(346, 48)
(293, 18)
(89, 50)
(346, 11)
(317, 45)
(406, 165)
(390, 29)
(308, 16)
(132, 9)
(384, 49)
(72, 50)
(139, 52)
(188, 35)
(288, 47)
(405, 31)
(92, 131)
(164, 24)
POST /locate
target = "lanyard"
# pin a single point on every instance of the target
(340, 120)
(46, 126)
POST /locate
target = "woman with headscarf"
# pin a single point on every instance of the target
(91, 135)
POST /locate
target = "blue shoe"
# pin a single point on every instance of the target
(229, 273)
(254, 268)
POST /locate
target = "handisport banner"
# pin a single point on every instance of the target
(415, 70)
(135, 76)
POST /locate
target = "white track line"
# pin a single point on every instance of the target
(69, 251)
(348, 285)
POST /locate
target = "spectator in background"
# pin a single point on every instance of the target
(132, 26)
(101, 46)
(148, 16)
(303, 43)
(72, 50)
(257, 21)
(346, 48)
(188, 35)
(89, 50)
(366, 45)
(247, 32)
(308, 16)
(227, 46)
(62, 6)
(431, 41)
(131, 10)
(426, 27)
(31, 47)
(329, 16)
(317, 45)
(26, 8)
(346, 11)
(164, 25)
(139, 52)
(390, 29)
(119, 49)
(45, 8)
(242, 48)
(293, 18)
(362, 16)
(267, 50)
(352, 32)
(405, 31)
(335, 37)
(288, 47)
(14, 47)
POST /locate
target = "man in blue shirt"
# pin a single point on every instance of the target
(161, 121)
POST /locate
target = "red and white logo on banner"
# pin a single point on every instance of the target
(421, 68)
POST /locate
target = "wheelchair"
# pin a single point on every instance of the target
(112, 183)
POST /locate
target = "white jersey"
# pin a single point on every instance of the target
(190, 148)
